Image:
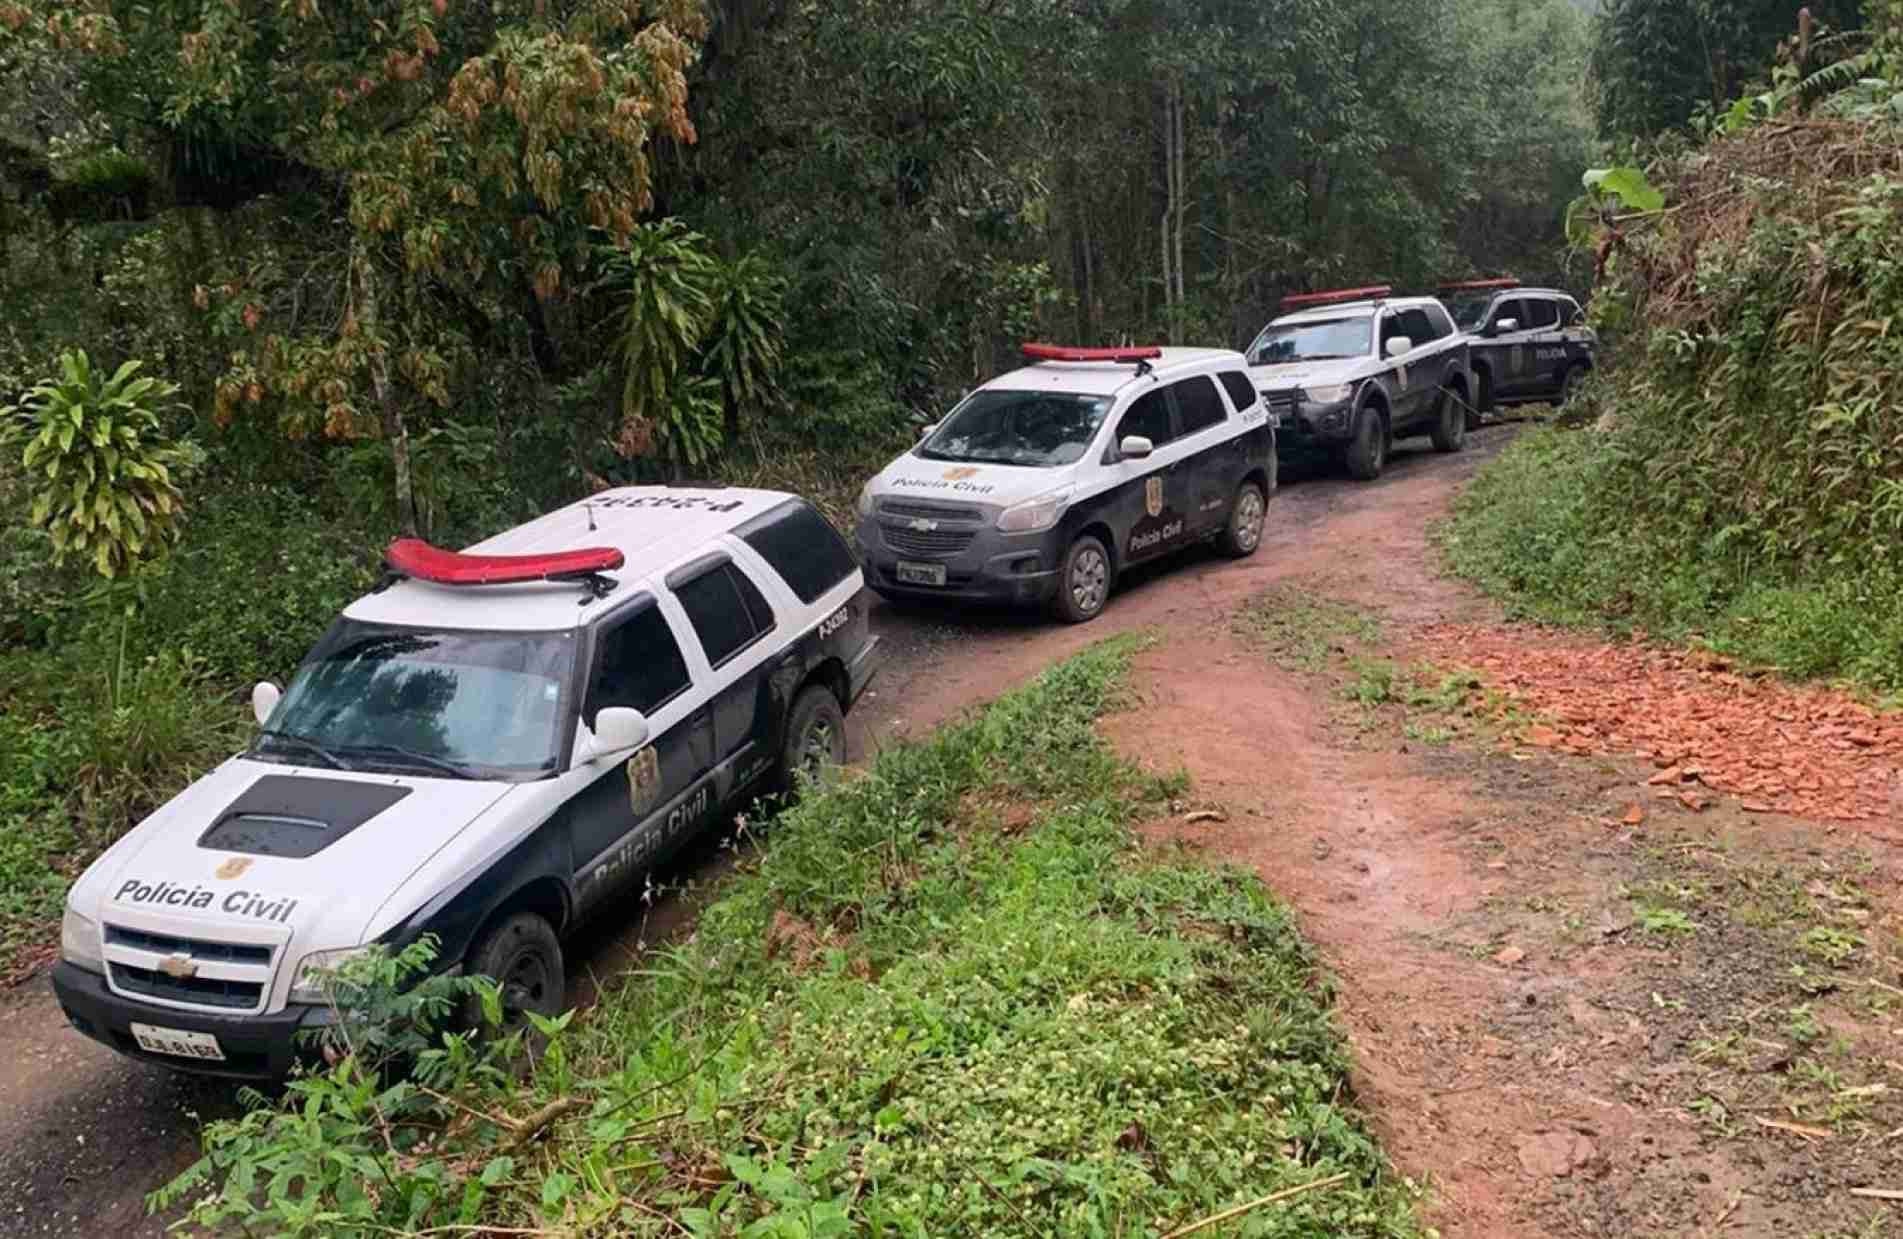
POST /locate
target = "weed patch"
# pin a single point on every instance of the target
(1301, 630)
(1040, 1031)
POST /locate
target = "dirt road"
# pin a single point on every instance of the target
(1526, 1045)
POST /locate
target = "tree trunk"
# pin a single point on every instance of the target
(391, 411)
(1182, 192)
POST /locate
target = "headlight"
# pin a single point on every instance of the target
(865, 500)
(1033, 514)
(1334, 394)
(79, 942)
(315, 974)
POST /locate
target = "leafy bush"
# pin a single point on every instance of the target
(98, 463)
(949, 998)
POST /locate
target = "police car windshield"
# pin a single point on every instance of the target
(1468, 311)
(434, 702)
(1327, 339)
(1034, 428)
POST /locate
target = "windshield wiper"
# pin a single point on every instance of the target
(308, 745)
(425, 759)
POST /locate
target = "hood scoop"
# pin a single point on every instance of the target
(295, 817)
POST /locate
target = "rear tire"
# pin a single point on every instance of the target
(1083, 583)
(1450, 422)
(1368, 451)
(815, 736)
(1242, 533)
(522, 955)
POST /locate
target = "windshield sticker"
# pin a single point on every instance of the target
(644, 780)
(674, 503)
(194, 897)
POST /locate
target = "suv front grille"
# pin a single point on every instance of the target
(1280, 403)
(218, 975)
(929, 511)
(199, 991)
(197, 948)
(927, 543)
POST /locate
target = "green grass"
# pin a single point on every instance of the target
(1299, 629)
(1541, 530)
(902, 1020)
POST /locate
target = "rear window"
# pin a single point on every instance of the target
(1198, 404)
(715, 601)
(1241, 390)
(800, 545)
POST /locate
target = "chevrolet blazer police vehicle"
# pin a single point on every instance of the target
(1529, 345)
(490, 747)
(1351, 370)
(1046, 483)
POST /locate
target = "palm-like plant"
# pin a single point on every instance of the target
(664, 274)
(98, 462)
(742, 348)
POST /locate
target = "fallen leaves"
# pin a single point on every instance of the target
(1704, 724)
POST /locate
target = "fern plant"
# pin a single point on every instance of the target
(98, 462)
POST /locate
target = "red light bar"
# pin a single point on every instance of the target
(1054, 352)
(1338, 294)
(1477, 285)
(413, 557)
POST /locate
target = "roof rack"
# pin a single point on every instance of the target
(1506, 281)
(1335, 296)
(413, 557)
(1141, 356)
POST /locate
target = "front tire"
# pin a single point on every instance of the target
(1483, 403)
(1569, 385)
(1367, 452)
(1083, 583)
(815, 736)
(1243, 532)
(522, 955)
(1450, 423)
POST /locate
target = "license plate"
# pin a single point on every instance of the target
(921, 574)
(178, 1043)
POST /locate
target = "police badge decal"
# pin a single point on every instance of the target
(644, 780)
(1153, 496)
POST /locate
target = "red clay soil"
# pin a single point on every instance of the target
(1780, 748)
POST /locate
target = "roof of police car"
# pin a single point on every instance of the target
(1353, 309)
(655, 527)
(1103, 378)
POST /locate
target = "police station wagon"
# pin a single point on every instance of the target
(1046, 483)
(491, 747)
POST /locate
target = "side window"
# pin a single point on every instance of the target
(637, 663)
(1512, 308)
(1390, 328)
(1437, 319)
(1544, 312)
(1570, 315)
(802, 546)
(1198, 403)
(1149, 417)
(1414, 326)
(757, 609)
(1241, 391)
(717, 606)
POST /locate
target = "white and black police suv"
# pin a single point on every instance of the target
(1352, 370)
(1044, 484)
(491, 748)
(1530, 345)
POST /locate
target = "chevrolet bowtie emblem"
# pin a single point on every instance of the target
(179, 967)
(923, 525)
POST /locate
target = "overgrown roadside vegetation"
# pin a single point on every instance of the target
(949, 997)
(1740, 482)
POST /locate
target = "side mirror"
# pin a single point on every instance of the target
(1399, 344)
(1135, 447)
(1504, 325)
(264, 699)
(618, 729)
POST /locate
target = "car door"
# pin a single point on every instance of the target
(1151, 497)
(627, 819)
(1512, 354)
(1212, 459)
(1548, 347)
(732, 623)
(1411, 386)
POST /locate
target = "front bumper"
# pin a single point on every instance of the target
(1310, 424)
(257, 1047)
(1016, 569)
